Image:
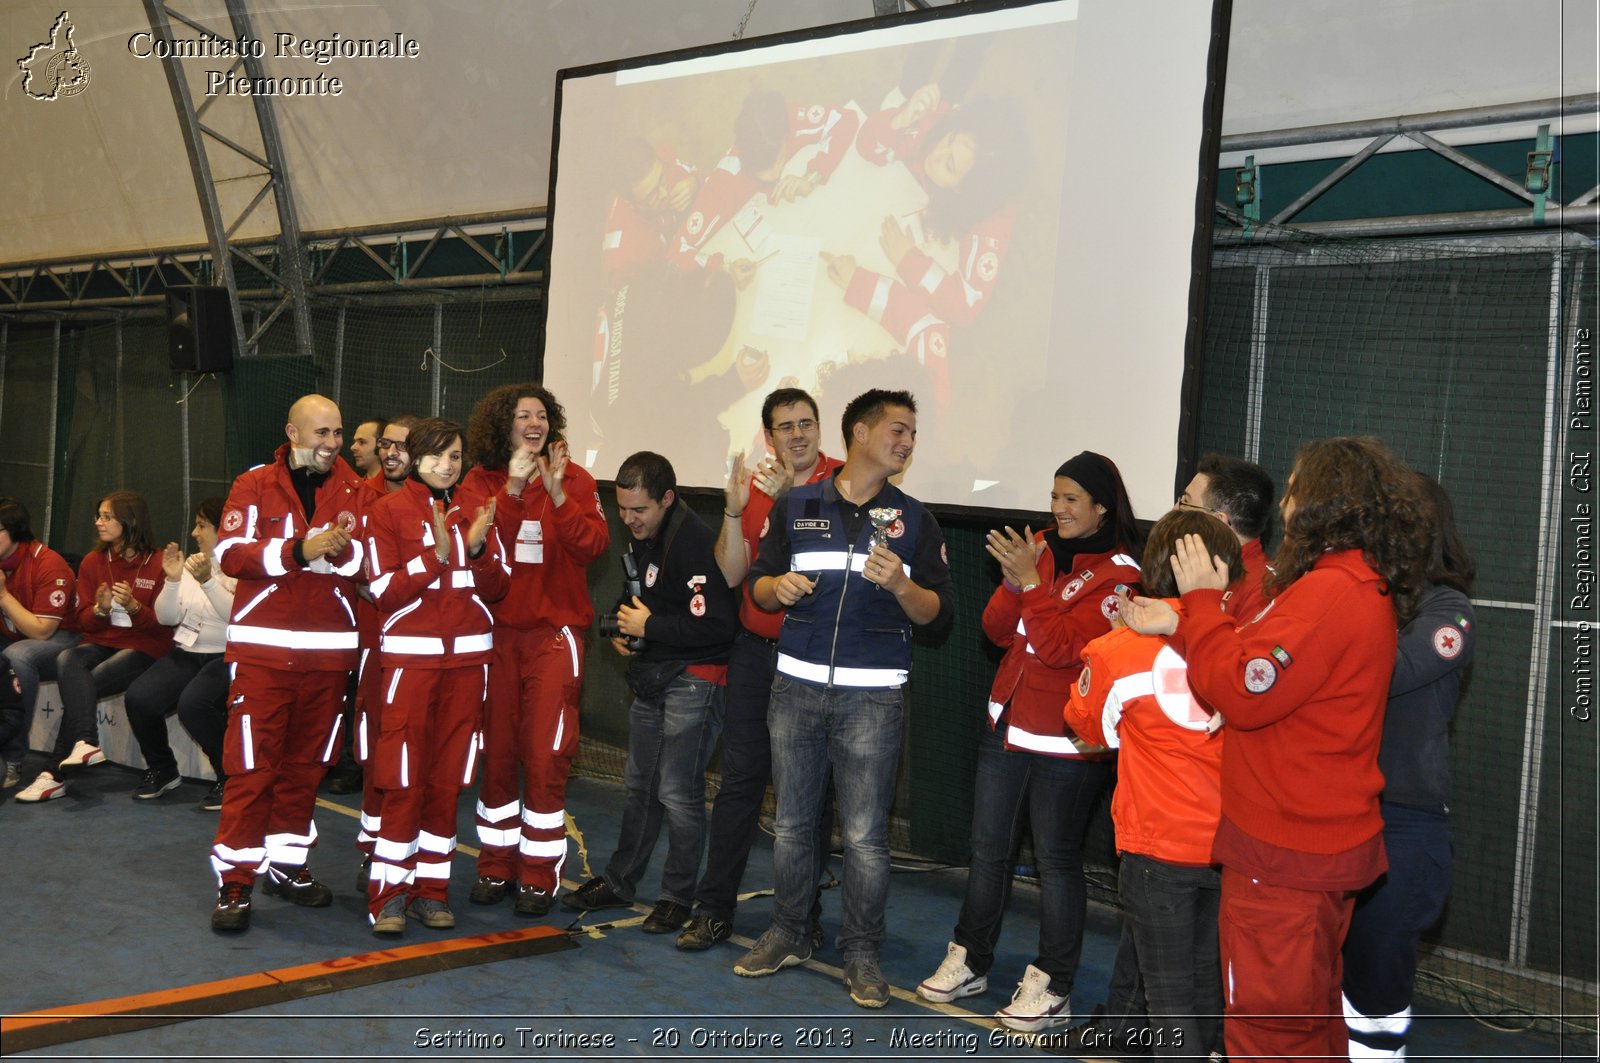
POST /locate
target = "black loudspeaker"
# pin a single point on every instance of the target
(199, 329)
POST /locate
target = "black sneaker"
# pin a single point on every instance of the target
(364, 875)
(488, 890)
(704, 930)
(213, 798)
(592, 896)
(665, 917)
(155, 783)
(232, 913)
(532, 902)
(295, 885)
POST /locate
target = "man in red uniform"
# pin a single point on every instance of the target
(654, 188)
(36, 618)
(1240, 494)
(793, 430)
(289, 538)
(550, 522)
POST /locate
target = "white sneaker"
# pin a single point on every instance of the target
(44, 788)
(84, 754)
(1033, 1007)
(954, 979)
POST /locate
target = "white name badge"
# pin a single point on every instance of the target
(119, 616)
(188, 632)
(530, 543)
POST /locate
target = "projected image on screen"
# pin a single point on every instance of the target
(852, 212)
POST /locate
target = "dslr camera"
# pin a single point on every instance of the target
(631, 589)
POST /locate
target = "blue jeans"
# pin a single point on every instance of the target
(669, 743)
(856, 734)
(1171, 911)
(1058, 795)
(746, 770)
(1380, 950)
(32, 660)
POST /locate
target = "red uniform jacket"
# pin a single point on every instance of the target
(635, 238)
(284, 616)
(753, 526)
(547, 548)
(146, 576)
(433, 611)
(1043, 632)
(1303, 687)
(1248, 597)
(42, 581)
(1134, 697)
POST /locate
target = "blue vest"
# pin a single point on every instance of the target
(849, 631)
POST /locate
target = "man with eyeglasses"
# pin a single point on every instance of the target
(790, 423)
(1240, 494)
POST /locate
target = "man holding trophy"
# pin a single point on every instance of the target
(857, 563)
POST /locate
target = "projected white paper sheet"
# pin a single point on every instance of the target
(993, 211)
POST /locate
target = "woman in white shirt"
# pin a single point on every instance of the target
(192, 679)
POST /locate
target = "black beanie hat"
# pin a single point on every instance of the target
(1094, 475)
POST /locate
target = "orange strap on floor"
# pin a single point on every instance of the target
(77, 1022)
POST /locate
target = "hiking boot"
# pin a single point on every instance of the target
(532, 903)
(704, 930)
(866, 983)
(769, 955)
(155, 783)
(1033, 1007)
(488, 890)
(232, 913)
(593, 896)
(295, 885)
(954, 979)
(432, 913)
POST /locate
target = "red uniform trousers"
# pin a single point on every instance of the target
(1282, 969)
(283, 731)
(531, 722)
(369, 724)
(427, 750)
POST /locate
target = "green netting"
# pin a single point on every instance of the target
(1453, 353)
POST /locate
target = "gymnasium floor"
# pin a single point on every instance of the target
(108, 897)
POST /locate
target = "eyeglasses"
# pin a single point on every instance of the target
(1184, 503)
(789, 427)
(389, 444)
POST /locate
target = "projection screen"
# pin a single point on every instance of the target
(996, 209)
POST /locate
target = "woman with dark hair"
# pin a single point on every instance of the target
(118, 582)
(1056, 595)
(1303, 687)
(1380, 951)
(1133, 696)
(192, 679)
(431, 569)
(548, 519)
(37, 621)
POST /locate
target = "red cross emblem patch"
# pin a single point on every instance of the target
(1448, 642)
(1259, 675)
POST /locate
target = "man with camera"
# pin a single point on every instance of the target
(675, 625)
(857, 563)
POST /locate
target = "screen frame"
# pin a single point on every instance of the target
(1205, 203)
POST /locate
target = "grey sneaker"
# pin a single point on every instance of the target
(430, 912)
(392, 919)
(13, 775)
(865, 982)
(769, 955)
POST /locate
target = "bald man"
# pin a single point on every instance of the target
(290, 536)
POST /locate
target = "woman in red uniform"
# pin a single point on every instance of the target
(431, 570)
(117, 586)
(1058, 593)
(1303, 687)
